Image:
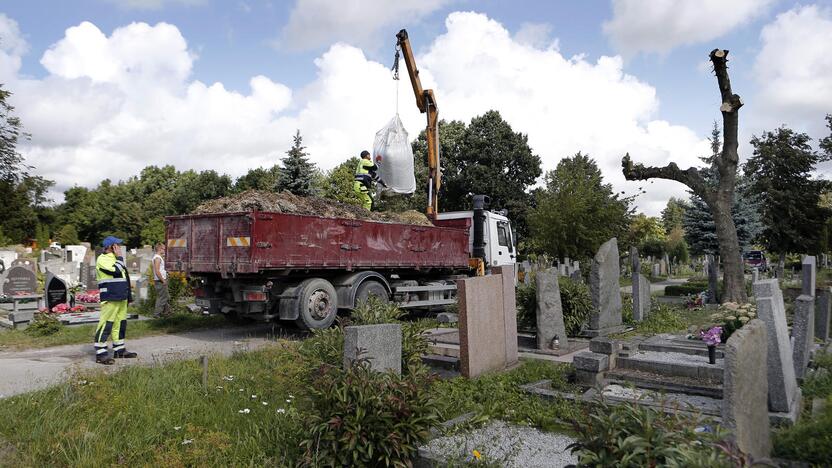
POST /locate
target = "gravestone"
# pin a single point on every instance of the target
(656, 270)
(18, 280)
(550, 326)
(55, 291)
(576, 276)
(562, 269)
(506, 272)
(823, 311)
(92, 279)
(641, 297)
(27, 263)
(783, 392)
(605, 290)
(713, 280)
(483, 336)
(666, 263)
(809, 273)
(755, 275)
(380, 344)
(526, 267)
(803, 331)
(745, 384)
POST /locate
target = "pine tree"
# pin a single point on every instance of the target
(700, 230)
(297, 174)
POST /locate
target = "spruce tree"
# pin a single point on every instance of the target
(297, 174)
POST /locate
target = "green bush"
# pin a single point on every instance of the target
(663, 318)
(367, 418)
(577, 304)
(629, 435)
(44, 324)
(526, 296)
(684, 289)
(627, 310)
(810, 440)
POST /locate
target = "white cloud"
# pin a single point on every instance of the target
(794, 69)
(153, 4)
(316, 23)
(111, 105)
(537, 35)
(660, 25)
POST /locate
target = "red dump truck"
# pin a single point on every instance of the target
(304, 268)
(283, 266)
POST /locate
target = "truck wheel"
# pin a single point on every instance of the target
(371, 288)
(317, 304)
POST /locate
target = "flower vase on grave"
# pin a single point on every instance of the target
(712, 354)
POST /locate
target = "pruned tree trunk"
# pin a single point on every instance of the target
(719, 198)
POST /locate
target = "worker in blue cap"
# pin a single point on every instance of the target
(115, 292)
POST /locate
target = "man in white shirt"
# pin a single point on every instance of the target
(160, 282)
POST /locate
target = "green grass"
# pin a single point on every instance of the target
(668, 318)
(75, 334)
(163, 416)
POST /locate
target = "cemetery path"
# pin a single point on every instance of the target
(29, 370)
(658, 286)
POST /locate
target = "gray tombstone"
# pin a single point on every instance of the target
(783, 392)
(562, 269)
(641, 297)
(576, 275)
(550, 326)
(605, 290)
(656, 270)
(809, 272)
(713, 280)
(803, 330)
(823, 311)
(380, 345)
(635, 262)
(18, 280)
(755, 275)
(745, 384)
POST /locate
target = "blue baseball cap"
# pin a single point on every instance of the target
(111, 240)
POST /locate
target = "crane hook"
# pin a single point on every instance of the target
(395, 67)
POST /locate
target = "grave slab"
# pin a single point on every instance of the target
(482, 331)
(509, 311)
(605, 291)
(550, 324)
(782, 384)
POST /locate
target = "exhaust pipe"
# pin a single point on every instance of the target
(481, 202)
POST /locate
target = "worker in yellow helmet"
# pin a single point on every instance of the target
(115, 293)
(366, 172)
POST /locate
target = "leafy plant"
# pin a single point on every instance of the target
(576, 302)
(631, 435)
(526, 296)
(366, 418)
(44, 324)
(661, 319)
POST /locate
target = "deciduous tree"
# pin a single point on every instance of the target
(718, 196)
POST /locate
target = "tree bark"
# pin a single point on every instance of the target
(719, 199)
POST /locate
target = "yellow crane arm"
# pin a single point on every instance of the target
(426, 101)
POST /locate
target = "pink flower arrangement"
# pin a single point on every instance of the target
(61, 308)
(88, 297)
(712, 337)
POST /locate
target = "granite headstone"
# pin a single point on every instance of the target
(605, 291)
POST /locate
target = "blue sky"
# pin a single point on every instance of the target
(659, 52)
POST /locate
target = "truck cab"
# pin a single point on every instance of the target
(499, 239)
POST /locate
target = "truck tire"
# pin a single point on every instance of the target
(317, 304)
(371, 288)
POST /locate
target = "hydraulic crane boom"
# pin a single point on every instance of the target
(426, 102)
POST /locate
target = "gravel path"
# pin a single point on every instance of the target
(25, 371)
(504, 444)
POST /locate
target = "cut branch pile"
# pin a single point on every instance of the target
(286, 202)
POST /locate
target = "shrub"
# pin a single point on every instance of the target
(630, 435)
(662, 318)
(810, 440)
(44, 324)
(577, 304)
(367, 418)
(627, 310)
(526, 295)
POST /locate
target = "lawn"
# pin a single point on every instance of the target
(254, 412)
(179, 322)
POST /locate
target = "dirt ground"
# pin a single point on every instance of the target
(285, 202)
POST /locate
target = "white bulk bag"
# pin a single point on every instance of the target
(396, 165)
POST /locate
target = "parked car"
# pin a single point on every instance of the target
(755, 259)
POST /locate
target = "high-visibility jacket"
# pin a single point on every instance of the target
(365, 172)
(113, 279)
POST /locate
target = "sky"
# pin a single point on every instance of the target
(107, 87)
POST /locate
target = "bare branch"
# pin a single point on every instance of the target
(690, 176)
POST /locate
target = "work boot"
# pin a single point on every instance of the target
(104, 359)
(125, 355)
